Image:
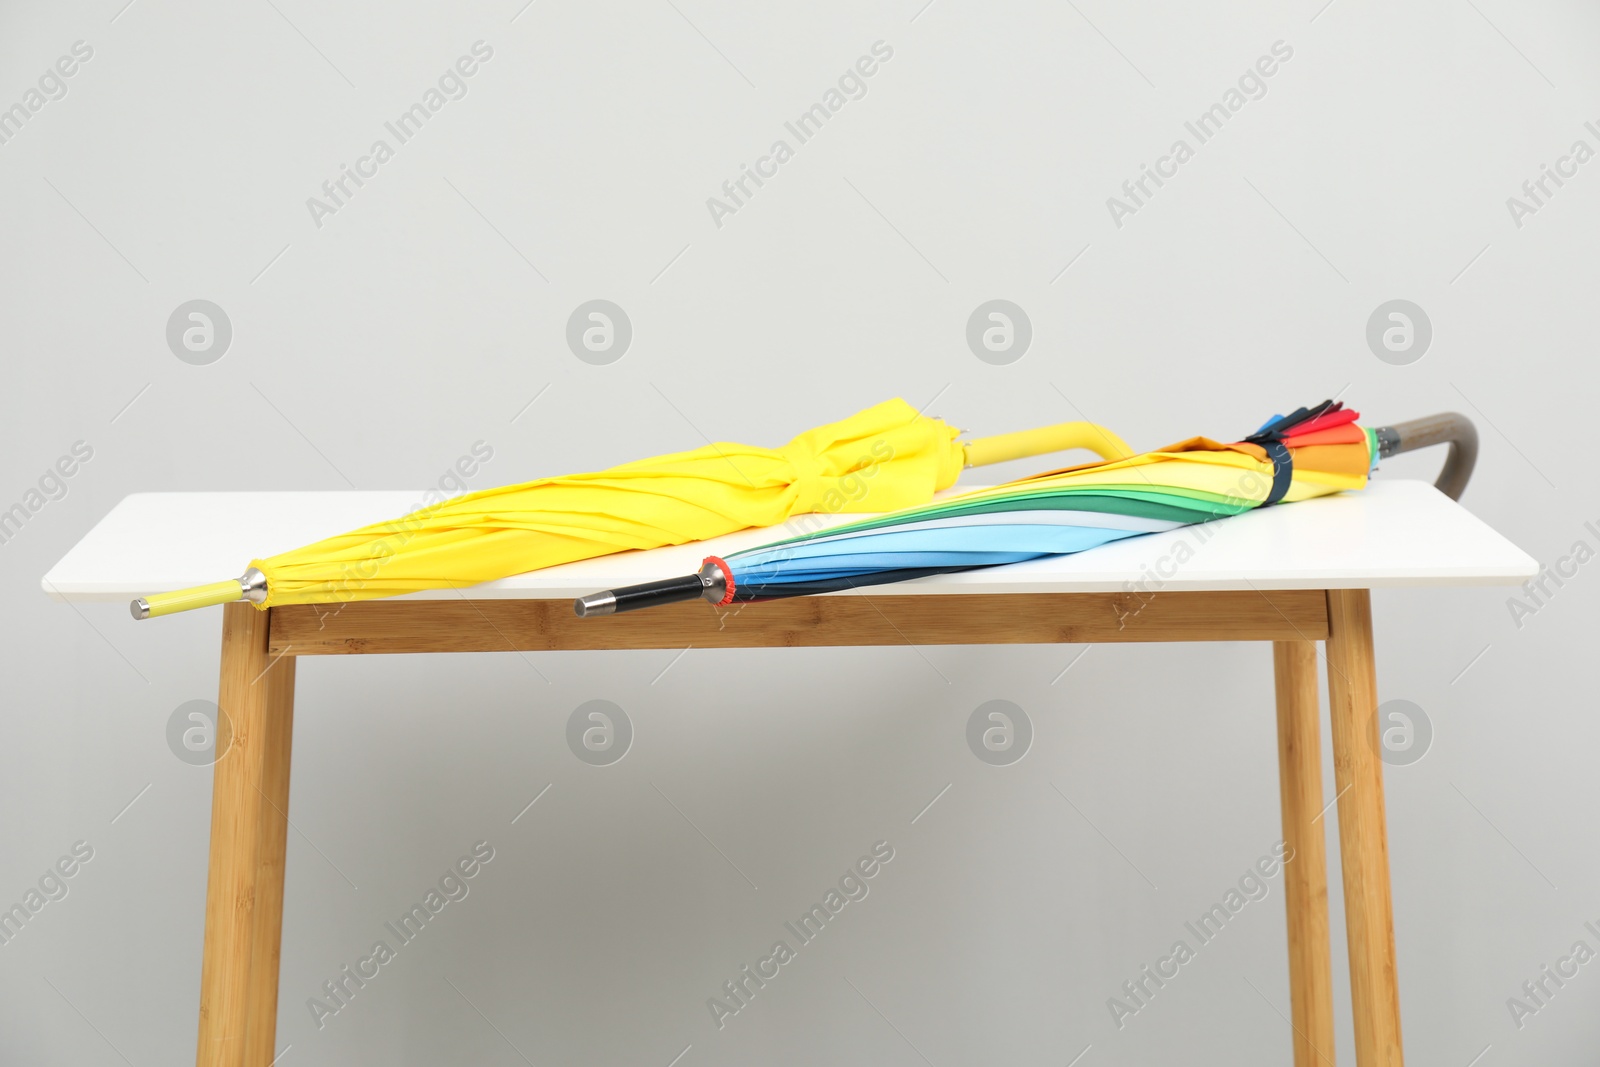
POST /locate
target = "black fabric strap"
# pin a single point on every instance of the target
(1282, 469)
(1270, 437)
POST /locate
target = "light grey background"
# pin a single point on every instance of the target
(431, 309)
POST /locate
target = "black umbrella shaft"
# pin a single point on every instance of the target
(713, 583)
(644, 595)
(654, 594)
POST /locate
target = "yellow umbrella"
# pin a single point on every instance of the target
(882, 459)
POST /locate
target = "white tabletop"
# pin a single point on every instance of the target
(1393, 533)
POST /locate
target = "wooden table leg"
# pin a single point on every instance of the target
(1305, 876)
(249, 827)
(1363, 841)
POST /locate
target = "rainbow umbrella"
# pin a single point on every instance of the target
(1310, 452)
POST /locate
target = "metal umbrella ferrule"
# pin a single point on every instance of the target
(709, 583)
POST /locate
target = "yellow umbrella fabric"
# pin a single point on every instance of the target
(884, 458)
(880, 459)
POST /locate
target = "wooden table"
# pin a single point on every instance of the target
(1292, 575)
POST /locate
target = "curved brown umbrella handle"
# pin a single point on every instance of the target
(1445, 428)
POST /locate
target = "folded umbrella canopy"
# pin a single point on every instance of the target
(885, 458)
(1311, 452)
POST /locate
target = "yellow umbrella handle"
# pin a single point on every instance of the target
(1058, 438)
